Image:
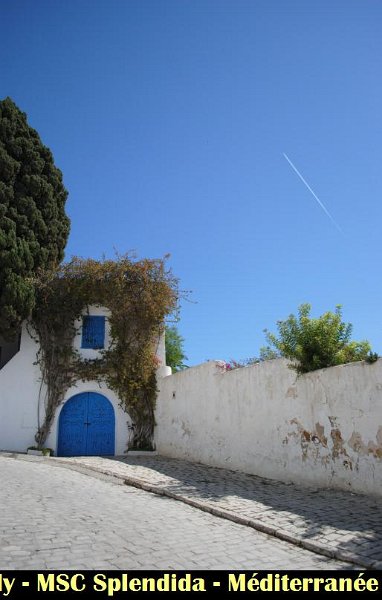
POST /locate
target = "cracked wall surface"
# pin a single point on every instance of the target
(322, 429)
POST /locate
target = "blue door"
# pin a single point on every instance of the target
(86, 426)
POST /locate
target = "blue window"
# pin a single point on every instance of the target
(93, 332)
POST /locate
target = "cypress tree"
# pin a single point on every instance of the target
(33, 224)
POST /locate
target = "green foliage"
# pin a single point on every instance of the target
(316, 343)
(138, 294)
(267, 353)
(354, 351)
(372, 357)
(174, 349)
(33, 225)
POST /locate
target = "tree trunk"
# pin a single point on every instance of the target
(143, 425)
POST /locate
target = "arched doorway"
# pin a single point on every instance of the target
(86, 426)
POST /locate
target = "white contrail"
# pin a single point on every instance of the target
(312, 192)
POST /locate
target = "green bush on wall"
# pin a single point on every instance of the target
(316, 343)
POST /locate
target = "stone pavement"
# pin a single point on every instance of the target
(58, 518)
(336, 524)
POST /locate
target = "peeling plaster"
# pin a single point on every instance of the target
(338, 444)
(357, 444)
(312, 442)
(291, 392)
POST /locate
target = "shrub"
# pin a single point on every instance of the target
(315, 343)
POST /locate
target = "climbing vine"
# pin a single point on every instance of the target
(138, 294)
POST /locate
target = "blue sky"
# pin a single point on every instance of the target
(169, 120)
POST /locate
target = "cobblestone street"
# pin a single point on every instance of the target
(338, 524)
(58, 518)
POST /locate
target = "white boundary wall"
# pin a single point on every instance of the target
(322, 429)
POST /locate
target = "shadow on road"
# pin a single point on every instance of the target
(350, 522)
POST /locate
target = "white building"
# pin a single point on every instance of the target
(90, 420)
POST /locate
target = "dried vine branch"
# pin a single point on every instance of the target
(139, 294)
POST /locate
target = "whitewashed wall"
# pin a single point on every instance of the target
(321, 429)
(19, 389)
(19, 396)
(163, 370)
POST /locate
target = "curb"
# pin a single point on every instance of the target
(310, 545)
